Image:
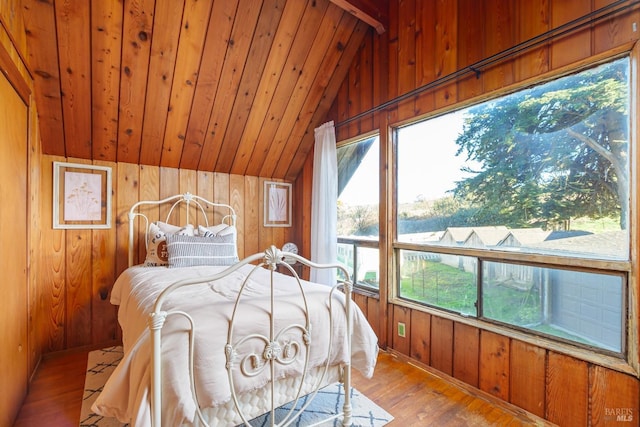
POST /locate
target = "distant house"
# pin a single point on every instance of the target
(455, 236)
(481, 237)
(518, 237)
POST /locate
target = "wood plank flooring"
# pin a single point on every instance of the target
(412, 395)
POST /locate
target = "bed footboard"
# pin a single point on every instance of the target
(277, 347)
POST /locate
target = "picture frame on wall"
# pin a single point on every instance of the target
(277, 204)
(81, 196)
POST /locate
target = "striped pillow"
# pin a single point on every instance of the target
(190, 251)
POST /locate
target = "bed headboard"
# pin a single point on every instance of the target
(173, 202)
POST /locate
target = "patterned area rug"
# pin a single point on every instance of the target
(365, 413)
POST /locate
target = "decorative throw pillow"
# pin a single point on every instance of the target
(190, 251)
(220, 230)
(157, 254)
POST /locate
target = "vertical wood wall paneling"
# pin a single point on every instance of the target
(72, 20)
(167, 22)
(195, 20)
(215, 47)
(567, 390)
(260, 50)
(442, 344)
(353, 103)
(367, 82)
(205, 189)
(149, 189)
(219, 152)
(78, 284)
(527, 377)
(533, 19)
(466, 341)
(393, 58)
(282, 41)
(577, 46)
(498, 17)
(420, 336)
(127, 185)
(41, 26)
(104, 322)
(294, 69)
(106, 48)
(236, 200)
(616, 395)
(425, 53)
(306, 133)
(136, 50)
(615, 31)
(53, 263)
(251, 215)
(494, 364)
(406, 56)
(294, 125)
(445, 50)
(471, 46)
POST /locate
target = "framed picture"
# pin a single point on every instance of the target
(277, 204)
(81, 196)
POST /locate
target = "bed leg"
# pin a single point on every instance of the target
(346, 409)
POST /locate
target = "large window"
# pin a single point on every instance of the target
(516, 210)
(358, 203)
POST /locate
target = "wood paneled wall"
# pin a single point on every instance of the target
(79, 267)
(426, 42)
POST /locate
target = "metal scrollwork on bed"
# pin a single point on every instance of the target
(275, 348)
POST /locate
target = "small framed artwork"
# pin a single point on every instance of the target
(277, 204)
(81, 196)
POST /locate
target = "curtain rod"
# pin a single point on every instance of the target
(478, 66)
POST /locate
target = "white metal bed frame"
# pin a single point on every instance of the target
(188, 199)
(274, 352)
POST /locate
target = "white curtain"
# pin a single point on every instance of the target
(324, 211)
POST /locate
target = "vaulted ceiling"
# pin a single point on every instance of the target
(233, 86)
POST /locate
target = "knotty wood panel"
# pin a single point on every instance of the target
(566, 405)
(106, 46)
(570, 49)
(527, 376)
(168, 17)
(471, 46)
(494, 364)
(466, 341)
(195, 18)
(533, 19)
(420, 336)
(616, 397)
(498, 17)
(442, 344)
(136, 42)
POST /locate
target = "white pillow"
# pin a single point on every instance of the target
(157, 254)
(190, 251)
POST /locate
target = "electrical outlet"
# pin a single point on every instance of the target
(401, 330)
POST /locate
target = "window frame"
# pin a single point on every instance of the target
(364, 242)
(624, 361)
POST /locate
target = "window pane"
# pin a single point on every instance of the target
(358, 195)
(578, 306)
(439, 280)
(543, 170)
(368, 263)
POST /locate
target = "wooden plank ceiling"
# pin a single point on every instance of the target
(232, 86)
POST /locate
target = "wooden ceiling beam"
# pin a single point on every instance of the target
(373, 12)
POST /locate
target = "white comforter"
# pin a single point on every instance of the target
(126, 394)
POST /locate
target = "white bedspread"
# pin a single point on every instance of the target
(126, 394)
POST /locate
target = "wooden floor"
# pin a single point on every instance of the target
(413, 396)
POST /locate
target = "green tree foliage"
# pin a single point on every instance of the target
(550, 153)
